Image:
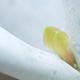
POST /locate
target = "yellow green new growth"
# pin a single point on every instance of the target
(59, 42)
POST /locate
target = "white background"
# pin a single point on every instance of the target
(26, 19)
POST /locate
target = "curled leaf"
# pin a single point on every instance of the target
(59, 42)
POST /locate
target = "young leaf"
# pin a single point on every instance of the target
(59, 42)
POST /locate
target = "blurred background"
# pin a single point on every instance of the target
(26, 19)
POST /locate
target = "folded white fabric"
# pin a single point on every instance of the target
(24, 62)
